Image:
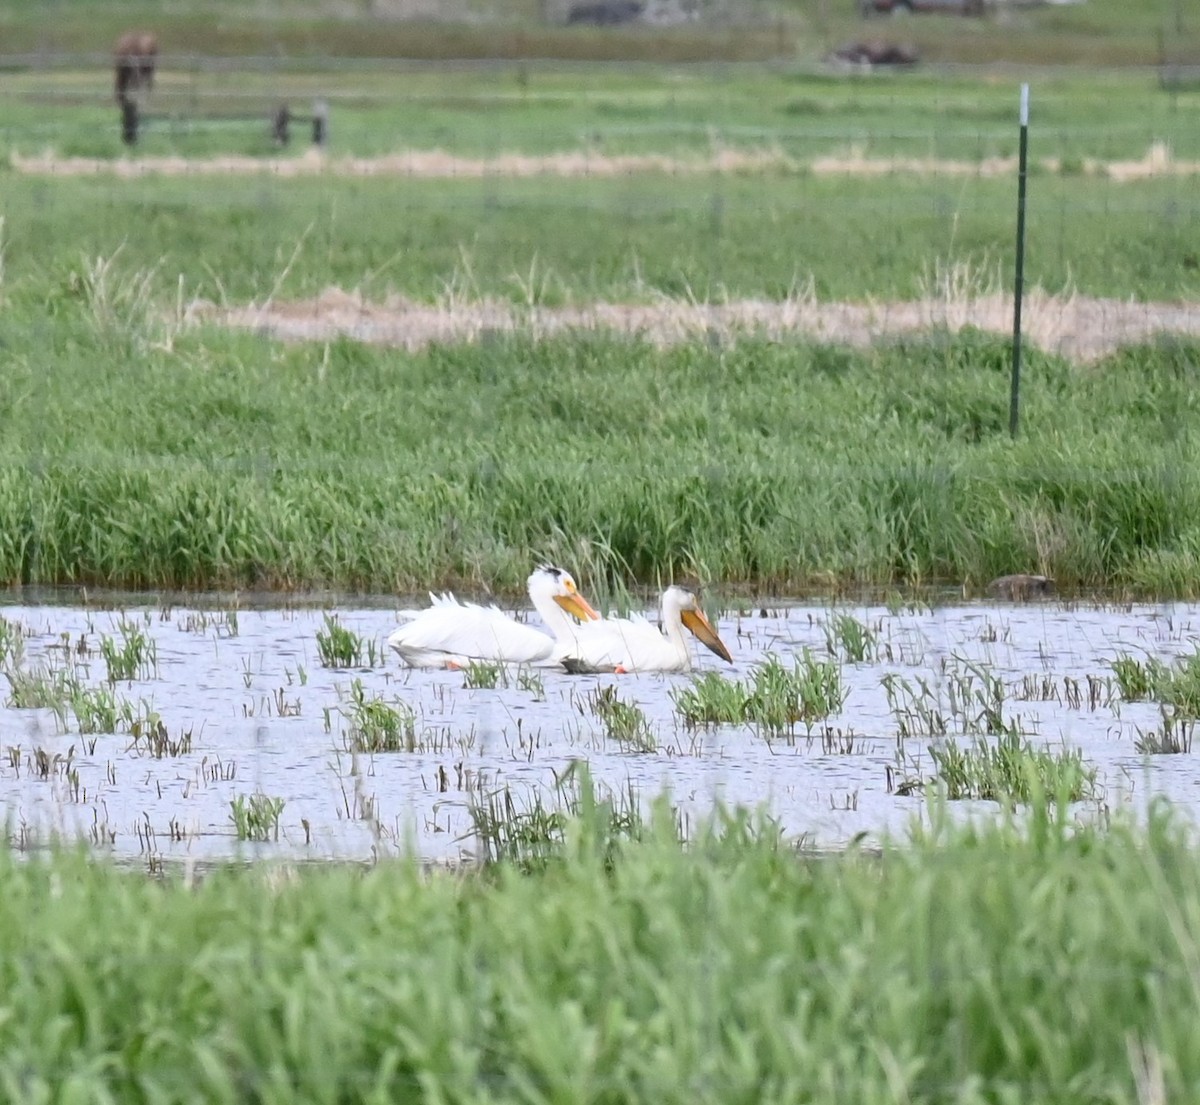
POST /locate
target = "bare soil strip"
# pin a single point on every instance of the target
(1078, 327)
(1158, 161)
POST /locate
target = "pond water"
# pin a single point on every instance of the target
(266, 717)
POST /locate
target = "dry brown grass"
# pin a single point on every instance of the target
(1158, 161)
(1079, 327)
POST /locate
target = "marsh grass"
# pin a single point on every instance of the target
(150, 736)
(530, 831)
(624, 722)
(1009, 769)
(977, 697)
(1181, 688)
(40, 688)
(12, 644)
(100, 709)
(850, 639)
(1176, 685)
(256, 817)
(484, 675)
(339, 647)
(969, 699)
(135, 657)
(377, 725)
(1138, 680)
(776, 698)
(1093, 692)
(1172, 737)
(531, 683)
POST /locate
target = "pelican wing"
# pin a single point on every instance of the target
(451, 632)
(445, 599)
(627, 644)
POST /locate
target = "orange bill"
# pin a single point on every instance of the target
(577, 606)
(702, 628)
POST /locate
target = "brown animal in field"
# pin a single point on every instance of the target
(1021, 587)
(134, 58)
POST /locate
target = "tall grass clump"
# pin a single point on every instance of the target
(1181, 690)
(776, 697)
(100, 709)
(256, 817)
(12, 644)
(1138, 680)
(339, 647)
(624, 722)
(134, 657)
(377, 725)
(529, 830)
(1172, 737)
(852, 640)
(39, 688)
(1176, 685)
(1010, 770)
(484, 675)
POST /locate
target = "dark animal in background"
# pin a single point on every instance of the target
(134, 58)
(1021, 587)
(606, 13)
(877, 53)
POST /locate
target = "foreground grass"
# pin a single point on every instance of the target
(730, 971)
(225, 460)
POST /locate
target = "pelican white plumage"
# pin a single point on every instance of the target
(452, 634)
(636, 644)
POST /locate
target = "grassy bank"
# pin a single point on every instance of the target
(230, 461)
(1046, 966)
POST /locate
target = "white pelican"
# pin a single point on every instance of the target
(635, 644)
(452, 634)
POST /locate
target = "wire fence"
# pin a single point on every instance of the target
(748, 198)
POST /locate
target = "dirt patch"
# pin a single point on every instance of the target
(1158, 161)
(1081, 328)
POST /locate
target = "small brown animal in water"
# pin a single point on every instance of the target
(1021, 587)
(134, 58)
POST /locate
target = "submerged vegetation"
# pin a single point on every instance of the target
(377, 725)
(775, 698)
(733, 969)
(339, 647)
(1175, 685)
(1010, 769)
(624, 722)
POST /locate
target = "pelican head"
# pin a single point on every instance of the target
(685, 603)
(558, 585)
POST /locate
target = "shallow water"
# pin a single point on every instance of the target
(266, 716)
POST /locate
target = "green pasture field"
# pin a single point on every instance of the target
(1044, 965)
(1094, 33)
(487, 110)
(625, 238)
